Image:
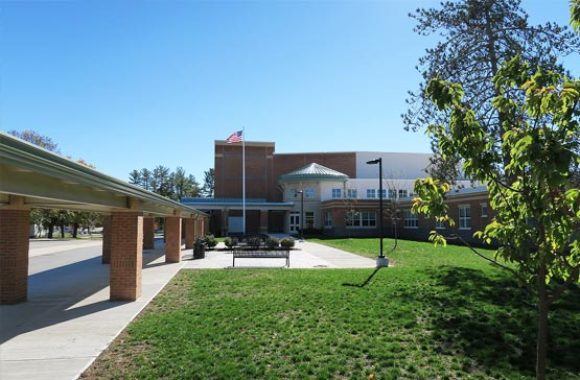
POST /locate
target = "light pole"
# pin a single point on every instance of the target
(382, 261)
(301, 192)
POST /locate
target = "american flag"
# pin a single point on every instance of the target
(235, 137)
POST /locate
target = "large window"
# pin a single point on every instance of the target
(327, 219)
(411, 219)
(336, 193)
(361, 219)
(351, 193)
(309, 192)
(464, 217)
(371, 193)
(368, 219)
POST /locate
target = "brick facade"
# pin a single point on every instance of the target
(172, 239)
(126, 255)
(14, 229)
(148, 232)
(189, 226)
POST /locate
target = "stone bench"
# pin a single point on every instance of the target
(261, 254)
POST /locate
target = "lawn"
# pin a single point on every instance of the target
(439, 314)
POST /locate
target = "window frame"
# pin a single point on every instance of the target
(410, 220)
(464, 220)
(334, 192)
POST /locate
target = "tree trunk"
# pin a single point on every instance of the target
(62, 230)
(75, 230)
(542, 342)
(50, 230)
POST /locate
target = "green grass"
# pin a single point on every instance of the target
(442, 314)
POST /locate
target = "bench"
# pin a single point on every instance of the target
(261, 254)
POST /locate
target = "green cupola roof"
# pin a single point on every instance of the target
(313, 172)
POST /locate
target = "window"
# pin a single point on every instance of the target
(363, 219)
(309, 219)
(465, 217)
(392, 193)
(336, 193)
(402, 193)
(439, 225)
(309, 192)
(411, 219)
(352, 219)
(351, 193)
(484, 211)
(327, 219)
(371, 193)
(368, 219)
(384, 193)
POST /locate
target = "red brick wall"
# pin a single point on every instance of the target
(14, 230)
(189, 232)
(126, 255)
(148, 232)
(172, 239)
(228, 170)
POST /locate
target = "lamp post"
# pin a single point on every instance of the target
(301, 192)
(382, 261)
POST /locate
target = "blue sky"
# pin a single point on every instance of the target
(127, 84)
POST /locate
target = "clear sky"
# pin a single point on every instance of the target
(128, 84)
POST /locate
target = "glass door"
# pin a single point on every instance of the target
(294, 222)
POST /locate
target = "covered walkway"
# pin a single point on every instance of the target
(36, 178)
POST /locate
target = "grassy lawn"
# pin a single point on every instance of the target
(442, 314)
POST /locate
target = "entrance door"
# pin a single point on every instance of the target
(294, 222)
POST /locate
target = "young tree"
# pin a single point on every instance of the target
(208, 183)
(478, 36)
(537, 207)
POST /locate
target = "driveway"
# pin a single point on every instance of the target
(68, 320)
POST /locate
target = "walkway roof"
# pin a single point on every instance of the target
(34, 177)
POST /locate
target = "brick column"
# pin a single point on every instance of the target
(126, 255)
(106, 258)
(148, 232)
(172, 239)
(14, 231)
(205, 226)
(264, 221)
(189, 232)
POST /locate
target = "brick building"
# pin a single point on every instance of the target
(338, 191)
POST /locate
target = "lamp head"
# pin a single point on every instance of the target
(373, 162)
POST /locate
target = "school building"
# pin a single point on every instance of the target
(338, 193)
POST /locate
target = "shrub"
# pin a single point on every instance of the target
(254, 242)
(230, 242)
(287, 243)
(272, 243)
(210, 241)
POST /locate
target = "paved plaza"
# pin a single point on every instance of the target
(68, 319)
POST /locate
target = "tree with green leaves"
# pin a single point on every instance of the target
(537, 206)
(37, 139)
(478, 36)
(208, 187)
(184, 185)
(161, 180)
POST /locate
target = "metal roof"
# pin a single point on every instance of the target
(48, 180)
(313, 172)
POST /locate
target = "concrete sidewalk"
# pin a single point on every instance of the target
(69, 320)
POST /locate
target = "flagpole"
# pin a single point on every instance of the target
(244, 180)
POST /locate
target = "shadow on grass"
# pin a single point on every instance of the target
(365, 282)
(490, 320)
